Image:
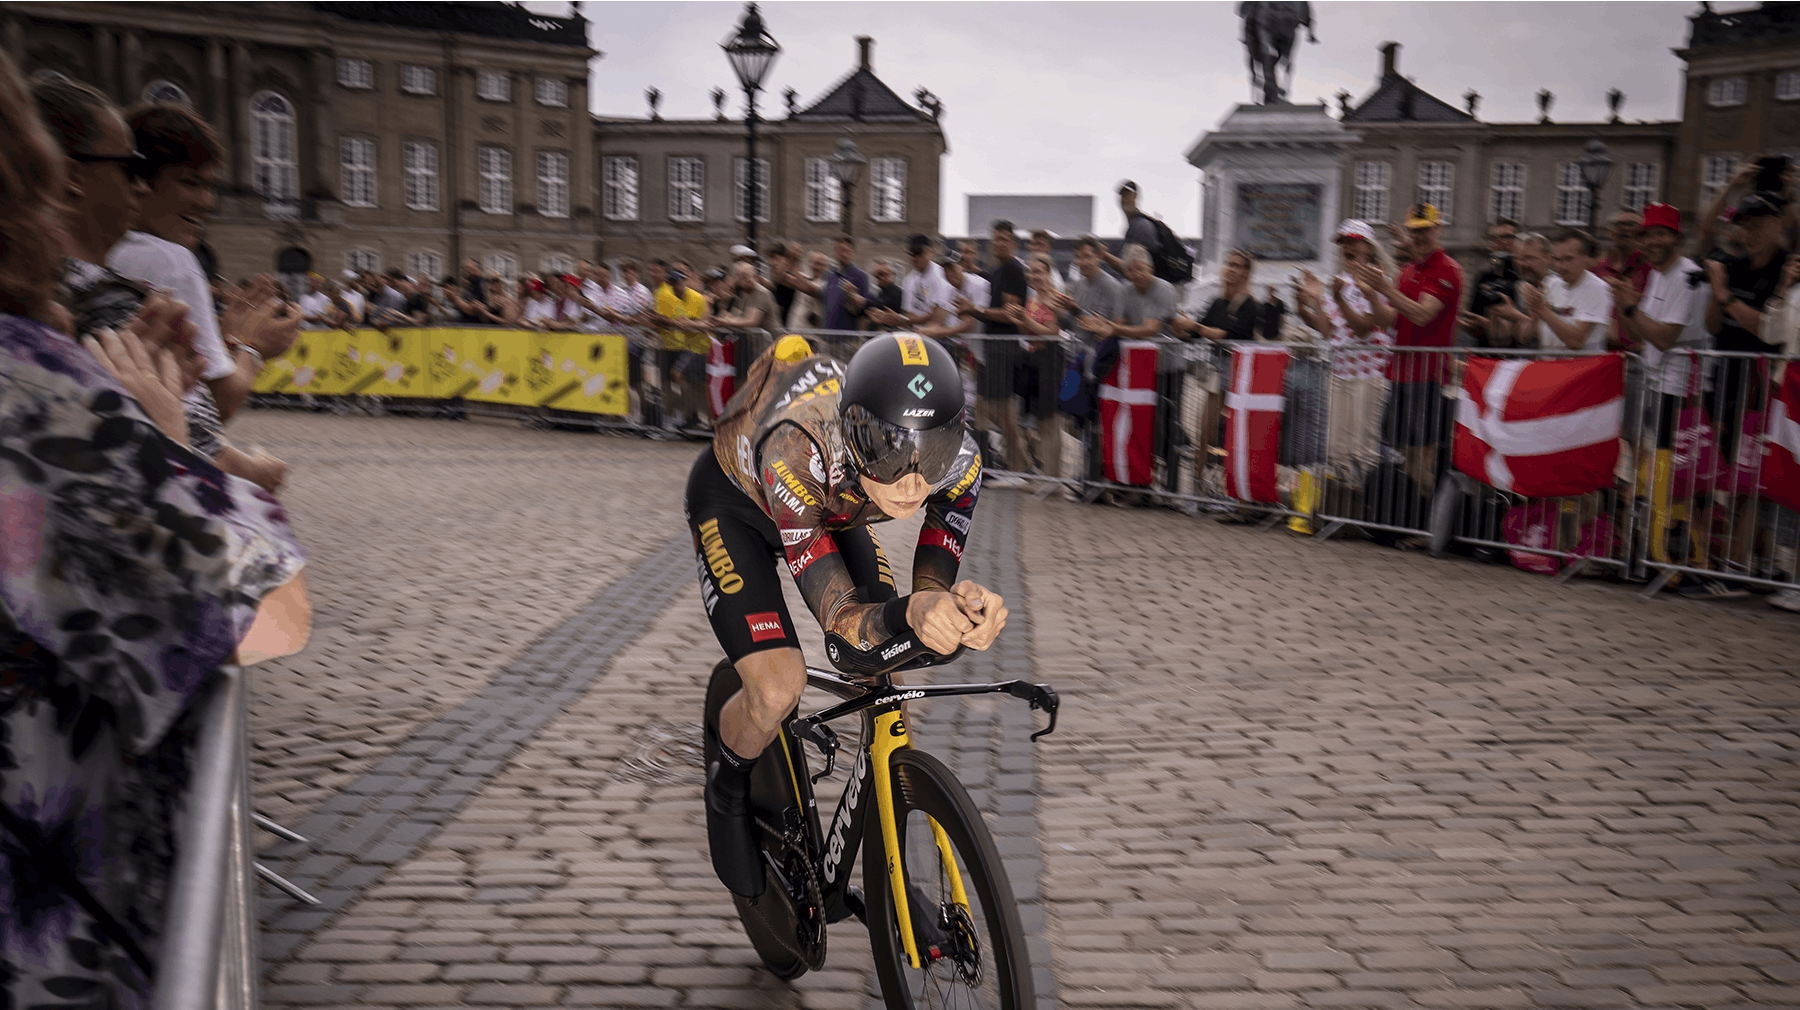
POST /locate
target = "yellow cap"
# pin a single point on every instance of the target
(1424, 216)
(792, 347)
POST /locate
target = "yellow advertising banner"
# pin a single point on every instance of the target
(306, 367)
(576, 371)
(383, 364)
(570, 371)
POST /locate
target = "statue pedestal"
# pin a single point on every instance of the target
(1272, 186)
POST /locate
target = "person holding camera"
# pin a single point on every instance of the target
(1495, 285)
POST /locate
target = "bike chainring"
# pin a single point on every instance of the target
(804, 893)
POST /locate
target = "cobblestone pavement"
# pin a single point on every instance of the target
(1289, 774)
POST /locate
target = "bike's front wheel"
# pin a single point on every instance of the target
(973, 950)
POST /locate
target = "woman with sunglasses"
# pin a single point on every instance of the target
(807, 456)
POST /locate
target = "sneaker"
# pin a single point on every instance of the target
(1786, 599)
(735, 856)
(1700, 587)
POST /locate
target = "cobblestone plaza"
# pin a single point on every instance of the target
(1288, 773)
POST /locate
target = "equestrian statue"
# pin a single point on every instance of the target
(1269, 35)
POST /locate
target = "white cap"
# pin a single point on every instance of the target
(742, 252)
(1353, 228)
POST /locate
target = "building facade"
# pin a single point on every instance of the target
(1742, 97)
(678, 188)
(360, 135)
(1414, 148)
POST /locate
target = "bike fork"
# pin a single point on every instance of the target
(890, 736)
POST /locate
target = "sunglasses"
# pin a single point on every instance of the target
(132, 163)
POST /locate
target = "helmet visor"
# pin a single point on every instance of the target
(885, 452)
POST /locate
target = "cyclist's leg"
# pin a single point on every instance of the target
(735, 547)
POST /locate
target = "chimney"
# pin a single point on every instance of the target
(1390, 59)
(866, 46)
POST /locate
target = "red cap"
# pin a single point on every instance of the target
(1661, 215)
(534, 285)
(571, 279)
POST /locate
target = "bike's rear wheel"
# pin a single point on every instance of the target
(770, 920)
(985, 964)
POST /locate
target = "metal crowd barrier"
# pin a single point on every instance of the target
(1365, 453)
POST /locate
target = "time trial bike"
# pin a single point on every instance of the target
(940, 911)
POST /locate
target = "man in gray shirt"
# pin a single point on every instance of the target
(1087, 309)
(1146, 305)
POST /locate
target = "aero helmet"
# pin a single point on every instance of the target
(901, 406)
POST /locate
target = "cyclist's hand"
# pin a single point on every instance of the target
(985, 609)
(938, 618)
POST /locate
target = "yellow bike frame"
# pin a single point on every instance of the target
(890, 736)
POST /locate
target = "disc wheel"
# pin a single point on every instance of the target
(980, 961)
(771, 922)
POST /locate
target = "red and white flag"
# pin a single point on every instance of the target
(1128, 415)
(1254, 403)
(721, 373)
(1541, 428)
(1781, 465)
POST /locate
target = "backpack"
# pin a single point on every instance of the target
(1169, 259)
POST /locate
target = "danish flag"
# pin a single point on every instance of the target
(1541, 428)
(1781, 467)
(1254, 403)
(721, 373)
(1128, 415)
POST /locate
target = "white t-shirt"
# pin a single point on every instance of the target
(1589, 301)
(538, 307)
(142, 256)
(359, 306)
(1670, 298)
(924, 290)
(314, 303)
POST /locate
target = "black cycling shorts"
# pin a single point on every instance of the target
(742, 564)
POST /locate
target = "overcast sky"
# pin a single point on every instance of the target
(1073, 97)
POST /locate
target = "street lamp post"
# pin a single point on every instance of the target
(1595, 165)
(752, 51)
(846, 165)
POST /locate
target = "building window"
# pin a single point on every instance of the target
(1787, 86)
(421, 163)
(551, 91)
(356, 74)
(1716, 171)
(356, 159)
(425, 265)
(493, 85)
(619, 174)
(887, 189)
(823, 194)
(1727, 91)
(275, 170)
(553, 184)
(687, 182)
(557, 263)
(495, 167)
(501, 263)
(417, 80)
(741, 188)
(1435, 183)
(1372, 190)
(1507, 193)
(1573, 202)
(1641, 178)
(166, 92)
(363, 261)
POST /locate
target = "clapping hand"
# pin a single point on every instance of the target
(153, 378)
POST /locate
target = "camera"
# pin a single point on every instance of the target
(1771, 170)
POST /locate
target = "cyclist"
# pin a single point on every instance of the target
(804, 459)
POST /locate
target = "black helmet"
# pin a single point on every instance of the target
(901, 406)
